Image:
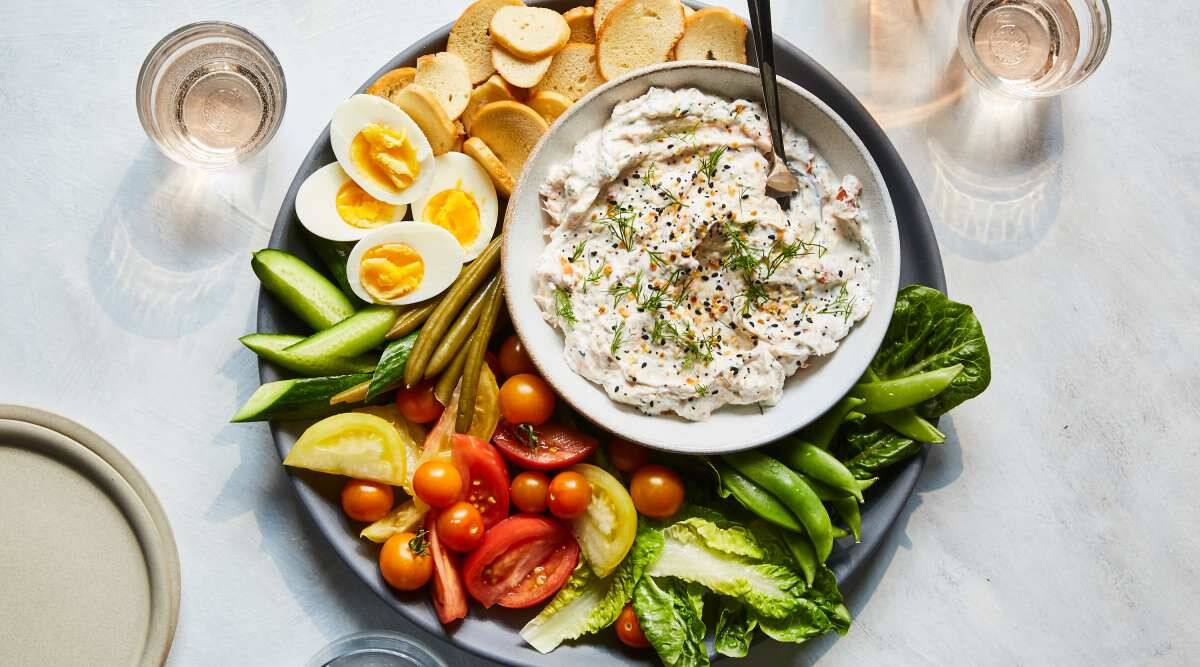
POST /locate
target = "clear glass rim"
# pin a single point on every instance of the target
(154, 61)
(1101, 38)
(374, 641)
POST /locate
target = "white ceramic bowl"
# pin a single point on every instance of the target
(809, 392)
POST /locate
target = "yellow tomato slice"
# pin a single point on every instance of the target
(606, 530)
(406, 518)
(412, 435)
(353, 444)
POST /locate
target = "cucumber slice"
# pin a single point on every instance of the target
(302, 289)
(354, 335)
(390, 370)
(267, 347)
(297, 399)
(334, 255)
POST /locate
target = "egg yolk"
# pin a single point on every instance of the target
(386, 155)
(456, 211)
(359, 209)
(391, 270)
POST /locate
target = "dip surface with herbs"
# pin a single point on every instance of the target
(679, 286)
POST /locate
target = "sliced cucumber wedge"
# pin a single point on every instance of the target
(390, 371)
(363, 331)
(269, 347)
(306, 398)
(301, 288)
(269, 342)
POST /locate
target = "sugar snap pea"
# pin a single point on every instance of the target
(457, 336)
(838, 532)
(474, 363)
(821, 431)
(905, 392)
(411, 319)
(848, 510)
(444, 389)
(756, 499)
(906, 421)
(802, 551)
(818, 464)
(472, 276)
(792, 491)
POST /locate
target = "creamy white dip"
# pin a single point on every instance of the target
(679, 286)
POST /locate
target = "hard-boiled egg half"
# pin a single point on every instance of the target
(382, 149)
(461, 199)
(331, 205)
(404, 263)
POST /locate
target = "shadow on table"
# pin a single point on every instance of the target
(167, 248)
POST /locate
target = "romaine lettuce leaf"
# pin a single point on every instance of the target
(735, 629)
(668, 614)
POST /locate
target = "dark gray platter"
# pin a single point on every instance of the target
(493, 633)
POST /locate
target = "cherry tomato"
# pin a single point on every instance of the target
(460, 526)
(626, 456)
(546, 447)
(418, 404)
(657, 491)
(493, 362)
(514, 360)
(449, 597)
(569, 495)
(526, 399)
(364, 500)
(523, 560)
(629, 630)
(405, 562)
(487, 476)
(529, 491)
(438, 482)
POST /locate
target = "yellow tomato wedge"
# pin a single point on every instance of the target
(352, 444)
(405, 518)
(606, 530)
(412, 435)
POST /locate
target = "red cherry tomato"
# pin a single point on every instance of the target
(487, 488)
(522, 561)
(449, 598)
(526, 399)
(418, 404)
(629, 630)
(529, 491)
(569, 495)
(627, 456)
(657, 491)
(460, 526)
(546, 447)
(493, 363)
(514, 360)
(364, 500)
(438, 483)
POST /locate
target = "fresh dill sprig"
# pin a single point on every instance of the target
(672, 199)
(648, 176)
(758, 265)
(701, 390)
(578, 251)
(619, 221)
(842, 304)
(653, 300)
(618, 338)
(708, 166)
(656, 257)
(563, 306)
(663, 329)
(684, 132)
(695, 348)
(620, 290)
(593, 276)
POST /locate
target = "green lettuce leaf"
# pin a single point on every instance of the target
(587, 603)
(804, 623)
(735, 629)
(667, 611)
(825, 594)
(873, 450)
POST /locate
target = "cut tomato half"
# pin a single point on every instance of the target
(449, 600)
(486, 477)
(546, 447)
(521, 561)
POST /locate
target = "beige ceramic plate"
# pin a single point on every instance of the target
(88, 566)
(809, 392)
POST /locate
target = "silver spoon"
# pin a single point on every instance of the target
(781, 183)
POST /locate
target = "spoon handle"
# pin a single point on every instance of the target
(764, 47)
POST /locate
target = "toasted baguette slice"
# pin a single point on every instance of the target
(511, 130)
(392, 81)
(493, 90)
(469, 37)
(572, 73)
(530, 33)
(638, 33)
(520, 73)
(549, 104)
(501, 178)
(583, 30)
(421, 104)
(445, 75)
(600, 12)
(714, 33)
(687, 12)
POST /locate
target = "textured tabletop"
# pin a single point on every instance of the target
(1056, 526)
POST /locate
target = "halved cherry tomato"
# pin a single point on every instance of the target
(526, 399)
(569, 495)
(629, 629)
(487, 488)
(418, 404)
(528, 491)
(449, 600)
(514, 360)
(657, 491)
(627, 456)
(522, 561)
(546, 447)
(404, 561)
(364, 500)
(438, 482)
(460, 526)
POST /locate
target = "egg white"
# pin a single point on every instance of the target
(439, 250)
(316, 206)
(461, 171)
(351, 116)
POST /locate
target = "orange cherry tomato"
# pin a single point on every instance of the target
(529, 491)
(460, 526)
(418, 404)
(569, 495)
(364, 500)
(404, 561)
(438, 482)
(657, 491)
(626, 456)
(629, 630)
(514, 360)
(526, 399)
